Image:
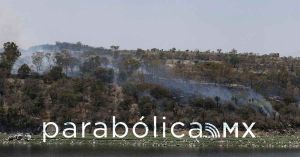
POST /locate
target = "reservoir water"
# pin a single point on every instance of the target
(88, 151)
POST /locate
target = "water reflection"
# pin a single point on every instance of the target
(85, 151)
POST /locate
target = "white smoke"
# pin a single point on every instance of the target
(10, 27)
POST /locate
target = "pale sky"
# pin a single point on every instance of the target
(261, 26)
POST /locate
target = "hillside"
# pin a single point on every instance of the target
(76, 82)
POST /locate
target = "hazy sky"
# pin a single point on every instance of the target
(247, 25)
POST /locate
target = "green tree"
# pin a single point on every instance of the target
(55, 73)
(48, 58)
(91, 64)
(63, 59)
(104, 75)
(37, 60)
(127, 67)
(24, 71)
(130, 65)
(234, 60)
(9, 57)
(69, 98)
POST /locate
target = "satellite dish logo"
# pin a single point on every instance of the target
(214, 132)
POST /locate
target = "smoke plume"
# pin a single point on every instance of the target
(10, 26)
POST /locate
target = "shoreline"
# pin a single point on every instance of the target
(258, 143)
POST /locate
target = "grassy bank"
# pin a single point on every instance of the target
(260, 142)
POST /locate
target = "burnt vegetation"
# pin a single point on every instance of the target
(76, 82)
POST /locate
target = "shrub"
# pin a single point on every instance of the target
(24, 71)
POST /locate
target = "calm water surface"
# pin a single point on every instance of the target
(75, 151)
